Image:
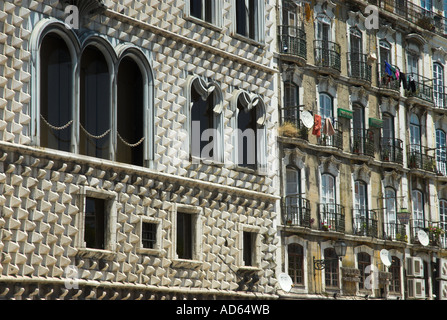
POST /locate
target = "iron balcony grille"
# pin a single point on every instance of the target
(411, 12)
(335, 140)
(332, 217)
(292, 126)
(385, 81)
(292, 40)
(364, 223)
(419, 160)
(391, 150)
(363, 142)
(327, 54)
(394, 231)
(296, 211)
(358, 66)
(419, 87)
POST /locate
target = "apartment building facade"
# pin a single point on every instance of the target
(361, 144)
(138, 150)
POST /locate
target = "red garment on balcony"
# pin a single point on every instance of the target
(317, 125)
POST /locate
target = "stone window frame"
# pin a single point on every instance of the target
(159, 240)
(217, 15)
(197, 245)
(113, 54)
(259, 37)
(111, 215)
(256, 254)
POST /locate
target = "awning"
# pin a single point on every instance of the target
(344, 113)
(376, 123)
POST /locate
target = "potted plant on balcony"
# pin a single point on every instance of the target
(325, 226)
(386, 155)
(434, 233)
(356, 147)
(288, 129)
(412, 161)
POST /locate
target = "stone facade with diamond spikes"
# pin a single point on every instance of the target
(42, 189)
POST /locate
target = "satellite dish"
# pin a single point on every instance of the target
(423, 237)
(385, 257)
(285, 282)
(307, 119)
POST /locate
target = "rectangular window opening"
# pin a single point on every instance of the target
(95, 223)
(184, 235)
(149, 235)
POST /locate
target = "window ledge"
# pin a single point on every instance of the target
(209, 162)
(203, 23)
(147, 251)
(248, 269)
(184, 263)
(96, 253)
(248, 40)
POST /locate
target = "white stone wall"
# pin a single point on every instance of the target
(42, 189)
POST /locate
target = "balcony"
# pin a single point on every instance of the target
(291, 125)
(358, 68)
(394, 231)
(388, 85)
(296, 211)
(364, 223)
(411, 12)
(327, 56)
(421, 161)
(363, 142)
(292, 43)
(336, 140)
(332, 217)
(391, 150)
(419, 87)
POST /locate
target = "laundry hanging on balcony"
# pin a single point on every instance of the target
(411, 84)
(317, 126)
(392, 71)
(328, 129)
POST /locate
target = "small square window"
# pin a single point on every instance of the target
(95, 223)
(149, 235)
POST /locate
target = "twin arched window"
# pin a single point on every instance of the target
(106, 116)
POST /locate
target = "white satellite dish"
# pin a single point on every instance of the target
(423, 237)
(285, 282)
(385, 257)
(307, 119)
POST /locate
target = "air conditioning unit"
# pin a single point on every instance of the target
(442, 269)
(442, 290)
(416, 288)
(415, 267)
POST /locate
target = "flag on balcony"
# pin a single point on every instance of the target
(317, 125)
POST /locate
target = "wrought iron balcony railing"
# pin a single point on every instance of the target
(332, 217)
(363, 142)
(419, 87)
(364, 223)
(385, 81)
(394, 231)
(358, 66)
(419, 160)
(336, 140)
(429, 20)
(391, 150)
(296, 211)
(291, 125)
(292, 40)
(327, 54)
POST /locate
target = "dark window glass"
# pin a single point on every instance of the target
(395, 278)
(202, 113)
(184, 235)
(247, 137)
(130, 103)
(202, 9)
(149, 235)
(295, 252)
(95, 104)
(248, 248)
(364, 260)
(95, 223)
(196, 8)
(331, 270)
(56, 85)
